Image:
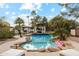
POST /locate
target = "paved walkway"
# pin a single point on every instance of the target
(6, 46)
(75, 42)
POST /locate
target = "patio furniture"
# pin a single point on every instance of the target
(69, 52)
(13, 52)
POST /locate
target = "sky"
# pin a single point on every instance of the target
(13, 10)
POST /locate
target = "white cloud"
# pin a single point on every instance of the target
(47, 3)
(27, 6)
(2, 5)
(13, 17)
(53, 9)
(26, 20)
(31, 6)
(77, 20)
(38, 6)
(23, 16)
(73, 18)
(7, 13)
(11, 20)
(13, 13)
(7, 6)
(63, 9)
(50, 16)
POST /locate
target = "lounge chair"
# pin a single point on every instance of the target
(69, 52)
(13, 52)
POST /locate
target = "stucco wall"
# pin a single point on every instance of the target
(73, 32)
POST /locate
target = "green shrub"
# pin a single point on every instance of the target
(6, 34)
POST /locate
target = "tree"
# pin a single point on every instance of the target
(5, 29)
(36, 19)
(72, 11)
(60, 26)
(33, 15)
(4, 24)
(19, 25)
(45, 22)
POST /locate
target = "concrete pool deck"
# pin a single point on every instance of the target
(6, 46)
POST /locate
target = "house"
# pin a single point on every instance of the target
(39, 28)
(75, 32)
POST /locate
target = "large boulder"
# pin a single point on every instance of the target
(53, 49)
(42, 50)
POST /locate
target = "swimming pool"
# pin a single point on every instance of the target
(39, 41)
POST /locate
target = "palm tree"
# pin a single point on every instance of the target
(4, 24)
(33, 14)
(19, 25)
(5, 29)
(72, 11)
(45, 22)
(60, 26)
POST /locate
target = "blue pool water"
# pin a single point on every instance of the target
(39, 41)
